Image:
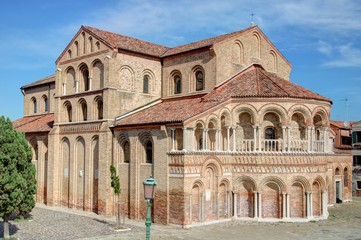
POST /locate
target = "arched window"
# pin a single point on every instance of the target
(126, 152)
(69, 54)
(270, 133)
(97, 45)
(337, 171)
(199, 80)
(84, 42)
(69, 112)
(149, 151)
(84, 111)
(33, 104)
(90, 39)
(177, 84)
(46, 103)
(146, 84)
(100, 109)
(76, 48)
(85, 73)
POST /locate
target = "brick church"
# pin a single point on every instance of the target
(217, 122)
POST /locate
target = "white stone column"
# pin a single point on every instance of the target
(259, 205)
(288, 130)
(206, 138)
(191, 137)
(255, 203)
(309, 129)
(284, 206)
(234, 204)
(288, 214)
(228, 139)
(173, 138)
(283, 138)
(217, 139)
(312, 138)
(325, 139)
(217, 205)
(202, 208)
(254, 138)
(259, 138)
(185, 139)
(324, 203)
(307, 205)
(234, 137)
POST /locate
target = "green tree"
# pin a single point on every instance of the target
(115, 183)
(17, 174)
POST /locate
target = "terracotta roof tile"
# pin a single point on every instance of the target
(37, 123)
(45, 80)
(254, 82)
(168, 111)
(340, 124)
(202, 43)
(128, 43)
(257, 82)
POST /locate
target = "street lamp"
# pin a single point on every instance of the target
(149, 190)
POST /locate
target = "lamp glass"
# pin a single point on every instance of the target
(149, 188)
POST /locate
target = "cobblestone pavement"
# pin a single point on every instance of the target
(61, 223)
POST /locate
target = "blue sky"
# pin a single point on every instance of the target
(322, 39)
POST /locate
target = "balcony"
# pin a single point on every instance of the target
(190, 143)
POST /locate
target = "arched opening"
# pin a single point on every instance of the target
(177, 84)
(196, 203)
(316, 199)
(46, 103)
(34, 105)
(146, 84)
(65, 174)
(80, 173)
(95, 187)
(149, 151)
(126, 152)
(297, 200)
(199, 75)
(271, 203)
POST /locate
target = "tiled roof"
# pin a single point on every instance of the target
(168, 111)
(36, 123)
(41, 81)
(253, 82)
(128, 43)
(203, 43)
(257, 82)
(341, 124)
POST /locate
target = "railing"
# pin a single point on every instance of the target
(271, 145)
(246, 145)
(318, 146)
(298, 146)
(274, 145)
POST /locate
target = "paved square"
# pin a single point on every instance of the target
(60, 223)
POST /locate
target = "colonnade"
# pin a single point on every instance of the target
(312, 143)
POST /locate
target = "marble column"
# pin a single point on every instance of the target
(173, 138)
(254, 138)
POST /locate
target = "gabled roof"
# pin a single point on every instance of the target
(117, 41)
(36, 123)
(257, 82)
(253, 82)
(45, 80)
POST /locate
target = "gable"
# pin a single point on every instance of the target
(83, 43)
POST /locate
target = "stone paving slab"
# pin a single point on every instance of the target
(63, 224)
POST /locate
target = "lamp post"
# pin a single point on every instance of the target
(149, 190)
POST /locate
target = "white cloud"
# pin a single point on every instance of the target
(348, 56)
(325, 48)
